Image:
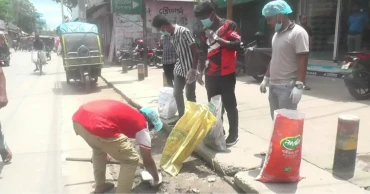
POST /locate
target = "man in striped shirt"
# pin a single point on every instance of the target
(185, 71)
(168, 58)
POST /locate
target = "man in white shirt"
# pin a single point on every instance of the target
(288, 66)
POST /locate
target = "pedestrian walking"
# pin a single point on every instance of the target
(223, 41)
(6, 154)
(106, 126)
(288, 66)
(303, 22)
(168, 58)
(185, 72)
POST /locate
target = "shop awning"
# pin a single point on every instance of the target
(223, 3)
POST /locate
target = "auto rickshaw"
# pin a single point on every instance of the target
(81, 52)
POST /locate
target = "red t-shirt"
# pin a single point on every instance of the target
(222, 61)
(110, 118)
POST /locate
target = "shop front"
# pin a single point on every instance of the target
(328, 20)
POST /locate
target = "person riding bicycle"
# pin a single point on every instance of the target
(38, 45)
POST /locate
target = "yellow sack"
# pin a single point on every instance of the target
(186, 136)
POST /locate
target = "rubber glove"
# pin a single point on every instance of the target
(191, 77)
(264, 84)
(211, 35)
(156, 183)
(296, 94)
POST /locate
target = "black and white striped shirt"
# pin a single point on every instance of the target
(181, 39)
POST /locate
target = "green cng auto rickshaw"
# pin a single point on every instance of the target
(81, 52)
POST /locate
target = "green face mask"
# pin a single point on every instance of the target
(164, 33)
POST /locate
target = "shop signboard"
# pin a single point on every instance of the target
(127, 6)
(223, 3)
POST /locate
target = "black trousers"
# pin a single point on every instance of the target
(168, 72)
(225, 86)
(180, 84)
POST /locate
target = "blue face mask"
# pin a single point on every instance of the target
(207, 22)
(278, 26)
(164, 33)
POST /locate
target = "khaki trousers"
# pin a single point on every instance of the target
(118, 148)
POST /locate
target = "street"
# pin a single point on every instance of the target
(38, 129)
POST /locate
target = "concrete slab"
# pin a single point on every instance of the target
(316, 181)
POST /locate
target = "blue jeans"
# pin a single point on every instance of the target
(2, 141)
(279, 98)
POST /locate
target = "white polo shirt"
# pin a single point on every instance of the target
(285, 47)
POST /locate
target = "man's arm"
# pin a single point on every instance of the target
(302, 49)
(193, 47)
(3, 95)
(149, 162)
(233, 39)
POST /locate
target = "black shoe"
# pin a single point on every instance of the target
(231, 140)
(36, 70)
(307, 88)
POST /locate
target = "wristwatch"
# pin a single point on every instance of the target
(299, 86)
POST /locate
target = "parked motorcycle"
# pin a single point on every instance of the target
(156, 59)
(4, 59)
(254, 58)
(358, 81)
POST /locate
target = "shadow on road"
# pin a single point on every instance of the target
(75, 88)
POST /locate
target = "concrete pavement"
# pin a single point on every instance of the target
(322, 105)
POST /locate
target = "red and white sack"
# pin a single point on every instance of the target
(283, 160)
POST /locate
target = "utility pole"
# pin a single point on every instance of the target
(62, 7)
(82, 10)
(145, 37)
(229, 9)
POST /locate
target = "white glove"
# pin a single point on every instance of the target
(296, 94)
(191, 77)
(211, 35)
(264, 84)
(156, 183)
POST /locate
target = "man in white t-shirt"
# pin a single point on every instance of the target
(288, 65)
(106, 126)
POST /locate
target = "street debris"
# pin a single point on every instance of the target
(211, 179)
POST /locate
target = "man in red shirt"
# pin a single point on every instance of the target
(107, 125)
(223, 42)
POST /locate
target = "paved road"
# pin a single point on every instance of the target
(37, 126)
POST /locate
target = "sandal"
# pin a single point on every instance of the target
(6, 155)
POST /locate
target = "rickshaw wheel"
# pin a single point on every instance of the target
(87, 83)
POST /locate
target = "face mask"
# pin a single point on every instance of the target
(164, 33)
(278, 26)
(207, 22)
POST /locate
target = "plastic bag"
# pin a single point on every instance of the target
(215, 139)
(186, 136)
(167, 107)
(42, 56)
(34, 57)
(283, 159)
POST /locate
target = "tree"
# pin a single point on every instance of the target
(5, 10)
(70, 4)
(24, 15)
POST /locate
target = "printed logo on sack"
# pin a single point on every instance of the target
(291, 143)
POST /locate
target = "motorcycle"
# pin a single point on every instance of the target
(156, 59)
(358, 81)
(252, 59)
(5, 59)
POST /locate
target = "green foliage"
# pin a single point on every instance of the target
(5, 10)
(69, 3)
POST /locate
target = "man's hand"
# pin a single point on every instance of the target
(296, 94)
(211, 35)
(3, 100)
(149, 163)
(191, 77)
(264, 84)
(155, 183)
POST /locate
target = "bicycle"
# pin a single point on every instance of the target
(39, 62)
